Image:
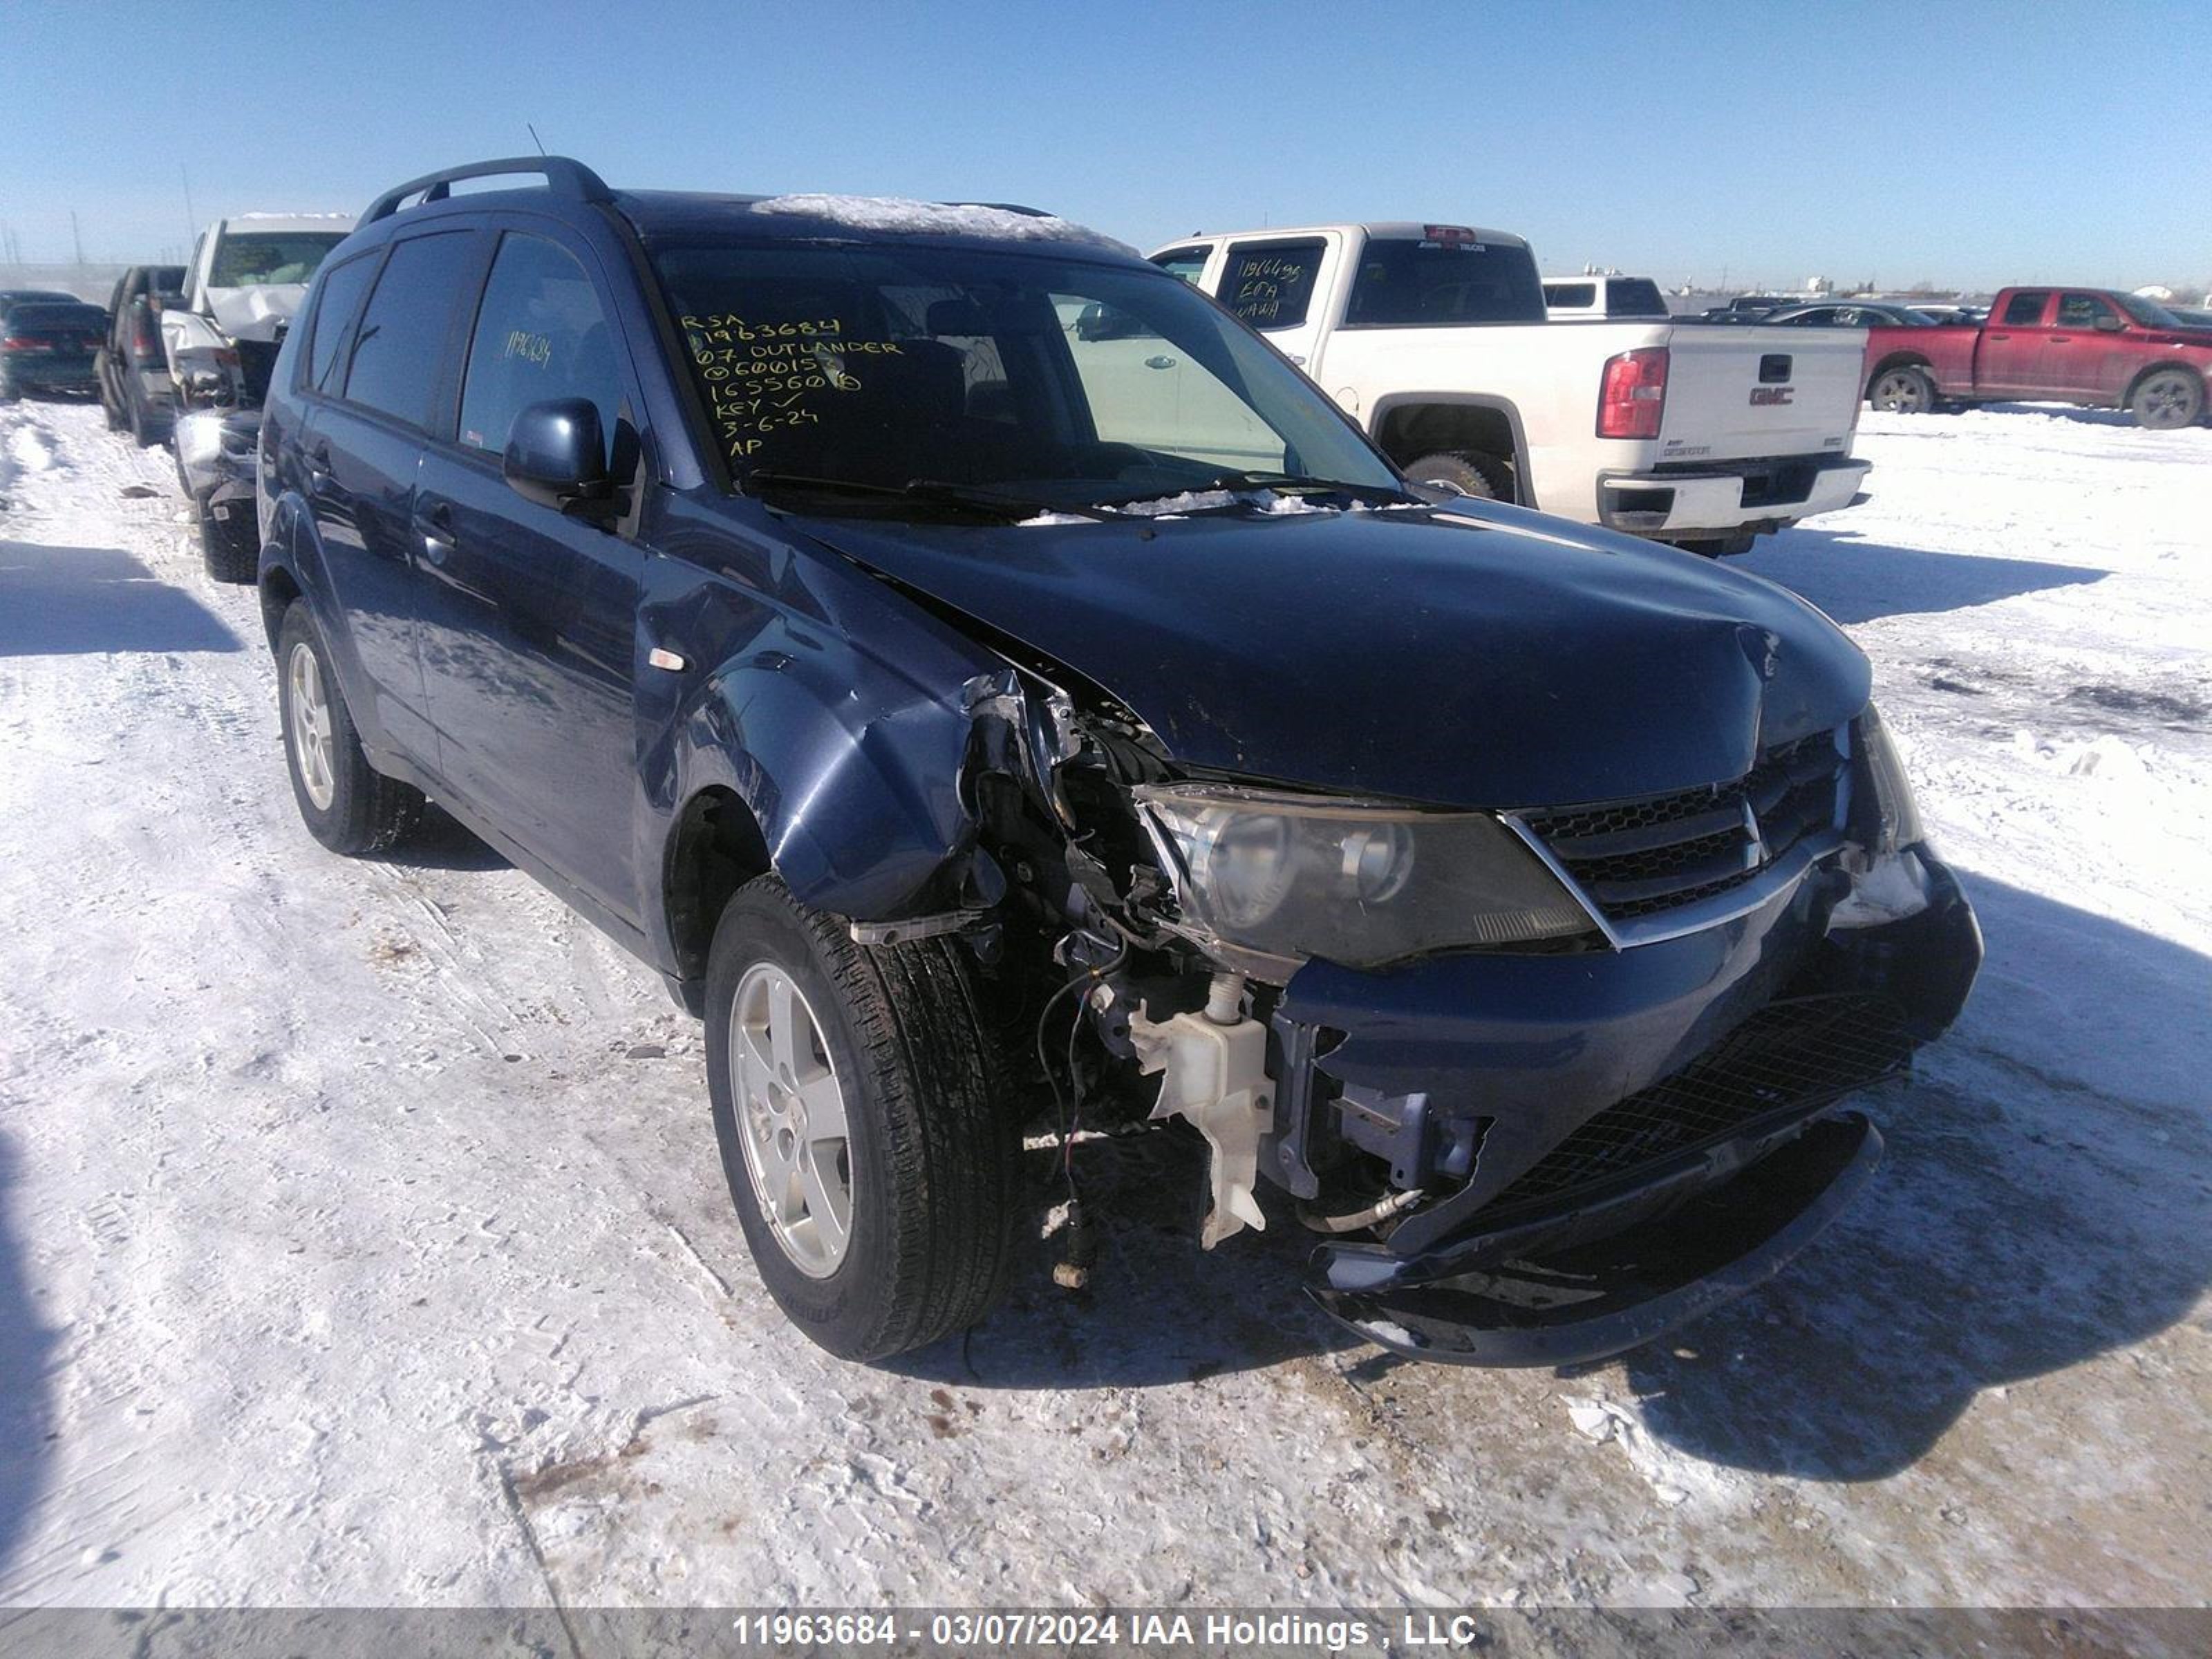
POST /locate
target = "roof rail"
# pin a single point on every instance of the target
(570, 178)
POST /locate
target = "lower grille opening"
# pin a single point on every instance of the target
(1794, 1056)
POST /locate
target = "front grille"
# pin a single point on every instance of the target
(1643, 857)
(1790, 1057)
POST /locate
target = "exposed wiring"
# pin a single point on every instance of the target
(1394, 1204)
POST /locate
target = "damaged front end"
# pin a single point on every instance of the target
(1548, 1082)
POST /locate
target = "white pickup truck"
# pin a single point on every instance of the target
(1433, 338)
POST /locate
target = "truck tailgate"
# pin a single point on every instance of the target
(1739, 392)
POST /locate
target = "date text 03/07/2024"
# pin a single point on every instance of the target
(1273, 1631)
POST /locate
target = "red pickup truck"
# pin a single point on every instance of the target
(2074, 345)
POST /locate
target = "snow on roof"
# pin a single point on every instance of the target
(300, 221)
(897, 215)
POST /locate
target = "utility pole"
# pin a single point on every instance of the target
(76, 240)
(191, 219)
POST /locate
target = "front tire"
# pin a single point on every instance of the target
(2166, 399)
(875, 1177)
(1904, 390)
(347, 804)
(1484, 477)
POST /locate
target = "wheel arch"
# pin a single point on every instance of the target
(2135, 382)
(1900, 360)
(1412, 424)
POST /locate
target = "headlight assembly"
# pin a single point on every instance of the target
(1899, 826)
(1291, 877)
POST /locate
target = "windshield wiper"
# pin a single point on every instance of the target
(1285, 482)
(924, 490)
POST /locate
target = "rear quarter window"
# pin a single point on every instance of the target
(1637, 297)
(336, 298)
(1570, 297)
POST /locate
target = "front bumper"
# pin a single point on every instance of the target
(1729, 497)
(1583, 1105)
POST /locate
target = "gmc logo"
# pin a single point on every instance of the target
(1763, 397)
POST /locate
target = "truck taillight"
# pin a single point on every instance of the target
(1633, 394)
(145, 338)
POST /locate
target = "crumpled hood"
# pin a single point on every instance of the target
(253, 313)
(1482, 657)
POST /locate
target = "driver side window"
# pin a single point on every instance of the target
(541, 333)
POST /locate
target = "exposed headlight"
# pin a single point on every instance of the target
(1899, 826)
(1292, 877)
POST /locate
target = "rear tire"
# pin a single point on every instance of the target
(899, 1227)
(347, 804)
(108, 405)
(230, 548)
(1904, 390)
(1487, 477)
(2166, 399)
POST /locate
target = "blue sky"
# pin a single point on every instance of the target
(1973, 144)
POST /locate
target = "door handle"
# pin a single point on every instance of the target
(2062, 339)
(1999, 336)
(435, 522)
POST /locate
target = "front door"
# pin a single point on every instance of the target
(2081, 360)
(528, 638)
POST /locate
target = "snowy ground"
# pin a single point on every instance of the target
(361, 1239)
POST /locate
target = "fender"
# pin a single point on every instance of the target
(850, 759)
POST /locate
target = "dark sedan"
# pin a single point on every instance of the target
(1856, 314)
(49, 347)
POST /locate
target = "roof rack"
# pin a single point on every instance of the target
(1003, 207)
(570, 178)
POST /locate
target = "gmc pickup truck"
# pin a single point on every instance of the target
(1433, 339)
(2091, 346)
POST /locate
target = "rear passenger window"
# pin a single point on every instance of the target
(2025, 310)
(400, 345)
(1570, 295)
(1270, 284)
(541, 333)
(337, 300)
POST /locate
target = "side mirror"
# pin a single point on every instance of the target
(1102, 322)
(557, 455)
(2108, 323)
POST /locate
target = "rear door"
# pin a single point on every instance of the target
(530, 641)
(1274, 284)
(2013, 342)
(1760, 390)
(370, 390)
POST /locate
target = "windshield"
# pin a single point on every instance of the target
(250, 260)
(1053, 380)
(2148, 312)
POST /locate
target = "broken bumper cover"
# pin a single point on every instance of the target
(1638, 1120)
(1591, 1301)
(216, 453)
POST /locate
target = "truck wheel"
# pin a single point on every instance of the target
(108, 405)
(347, 804)
(876, 1181)
(2166, 399)
(1906, 390)
(1476, 474)
(230, 548)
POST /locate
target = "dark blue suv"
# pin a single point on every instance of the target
(1001, 694)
